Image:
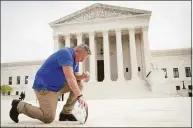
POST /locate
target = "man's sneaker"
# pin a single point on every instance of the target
(67, 117)
(13, 113)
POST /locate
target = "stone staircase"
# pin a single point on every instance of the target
(119, 90)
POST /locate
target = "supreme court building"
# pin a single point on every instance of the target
(117, 37)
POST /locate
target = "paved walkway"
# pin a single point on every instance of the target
(154, 112)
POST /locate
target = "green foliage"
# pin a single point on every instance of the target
(4, 89)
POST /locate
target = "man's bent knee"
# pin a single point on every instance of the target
(49, 118)
(67, 88)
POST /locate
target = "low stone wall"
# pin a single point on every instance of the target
(9, 97)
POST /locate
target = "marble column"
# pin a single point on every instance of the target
(147, 54)
(107, 71)
(133, 54)
(92, 57)
(79, 41)
(67, 40)
(119, 55)
(56, 43)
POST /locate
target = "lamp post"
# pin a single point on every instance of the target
(183, 85)
(184, 90)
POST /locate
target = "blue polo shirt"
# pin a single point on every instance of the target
(50, 76)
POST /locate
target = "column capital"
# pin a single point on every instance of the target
(104, 32)
(58, 37)
(145, 28)
(91, 33)
(67, 35)
(131, 29)
(79, 34)
(118, 29)
(55, 37)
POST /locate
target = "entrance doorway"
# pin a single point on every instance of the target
(100, 71)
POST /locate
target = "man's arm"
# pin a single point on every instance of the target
(82, 76)
(71, 79)
(78, 76)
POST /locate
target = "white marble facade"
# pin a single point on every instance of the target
(121, 33)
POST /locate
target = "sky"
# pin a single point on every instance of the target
(27, 36)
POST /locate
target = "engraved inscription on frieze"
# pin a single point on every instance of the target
(97, 13)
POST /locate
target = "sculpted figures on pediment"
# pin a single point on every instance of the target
(97, 13)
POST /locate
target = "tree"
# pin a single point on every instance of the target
(5, 89)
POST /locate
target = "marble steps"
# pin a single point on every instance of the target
(118, 90)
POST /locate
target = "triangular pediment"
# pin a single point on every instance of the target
(98, 11)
